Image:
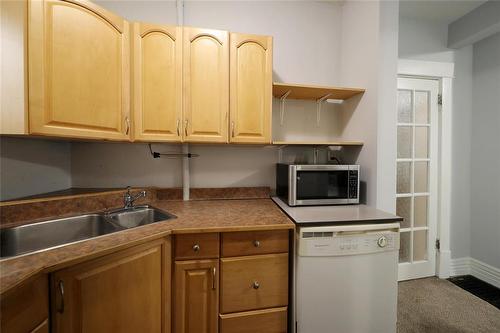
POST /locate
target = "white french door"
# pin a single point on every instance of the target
(417, 173)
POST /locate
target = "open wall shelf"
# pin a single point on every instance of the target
(311, 92)
(285, 91)
(318, 143)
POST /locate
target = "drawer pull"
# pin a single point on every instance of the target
(196, 248)
(61, 294)
(256, 285)
(256, 243)
(214, 276)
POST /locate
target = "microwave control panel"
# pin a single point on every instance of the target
(353, 184)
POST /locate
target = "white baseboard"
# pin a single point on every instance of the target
(460, 266)
(476, 268)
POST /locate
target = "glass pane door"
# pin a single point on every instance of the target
(417, 146)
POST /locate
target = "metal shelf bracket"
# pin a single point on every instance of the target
(282, 106)
(319, 102)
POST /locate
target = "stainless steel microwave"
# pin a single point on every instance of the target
(302, 185)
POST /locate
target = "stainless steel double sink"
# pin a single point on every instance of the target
(53, 233)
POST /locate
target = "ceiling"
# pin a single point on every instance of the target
(444, 11)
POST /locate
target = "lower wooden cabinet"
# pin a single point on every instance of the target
(127, 291)
(42, 328)
(262, 321)
(26, 308)
(196, 296)
(249, 295)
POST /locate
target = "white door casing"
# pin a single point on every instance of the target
(417, 175)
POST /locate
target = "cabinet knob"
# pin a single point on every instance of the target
(256, 285)
(196, 248)
(256, 243)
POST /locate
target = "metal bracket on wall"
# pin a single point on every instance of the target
(282, 106)
(319, 102)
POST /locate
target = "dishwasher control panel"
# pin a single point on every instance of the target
(331, 243)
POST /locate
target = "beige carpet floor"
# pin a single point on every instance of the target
(438, 306)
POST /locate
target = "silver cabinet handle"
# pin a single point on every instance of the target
(214, 275)
(196, 248)
(186, 127)
(178, 129)
(127, 123)
(256, 243)
(61, 293)
(232, 129)
(256, 285)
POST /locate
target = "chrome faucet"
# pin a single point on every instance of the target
(128, 198)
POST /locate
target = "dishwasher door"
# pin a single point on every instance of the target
(346, 279)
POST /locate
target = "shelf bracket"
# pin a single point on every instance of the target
(282, 106)
(319, 102)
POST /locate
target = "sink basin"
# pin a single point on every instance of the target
(136, 216)
(52, 233)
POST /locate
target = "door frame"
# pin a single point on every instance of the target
(444, 72)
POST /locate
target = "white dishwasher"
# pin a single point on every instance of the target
(346, 278)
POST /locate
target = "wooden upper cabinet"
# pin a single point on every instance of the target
(196, 296)
(127, 291)
(251, 88)
(13, 68)
(157, 82)
(206, 85)
(78, 70)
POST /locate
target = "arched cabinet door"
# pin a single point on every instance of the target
(251, 59)
(206, 85)
(78, 70)
(157, 82)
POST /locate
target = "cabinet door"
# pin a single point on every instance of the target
(251, 88)
(157, 82)
(24, 308)
(78, 70)
(122, 292)
(206, 85)
(196, 296)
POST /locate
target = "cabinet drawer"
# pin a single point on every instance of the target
(262, 321)
(254, 242)
(196, 246)
(254, 282)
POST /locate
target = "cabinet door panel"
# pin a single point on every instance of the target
(122, 292)
(251, 88)
(157, 89)
(196, 296)
(23, 308)
(78, 67)
(206, 85)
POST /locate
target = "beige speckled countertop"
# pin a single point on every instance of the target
(192, 217)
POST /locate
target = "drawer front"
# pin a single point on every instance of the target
(262, 321)
(196, 246)
(254, 282)
(254, 242)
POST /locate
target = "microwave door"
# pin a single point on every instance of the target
(325, 185)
